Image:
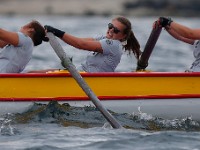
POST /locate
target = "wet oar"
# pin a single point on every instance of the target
(66, 62)
(143, 61)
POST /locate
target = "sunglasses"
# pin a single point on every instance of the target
(111, 26)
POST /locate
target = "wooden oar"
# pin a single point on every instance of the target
(143, 61)
(66, 62)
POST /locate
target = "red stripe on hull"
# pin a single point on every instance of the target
(116, 74)
(103, 98)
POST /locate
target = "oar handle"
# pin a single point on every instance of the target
(66, 62)
(143, 61)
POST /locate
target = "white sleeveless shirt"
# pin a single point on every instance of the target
(13, 59)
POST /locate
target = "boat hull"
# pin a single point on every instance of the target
(61, 86)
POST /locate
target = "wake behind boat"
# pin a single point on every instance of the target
(162, 94)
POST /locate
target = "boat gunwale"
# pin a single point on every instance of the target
(106, 74)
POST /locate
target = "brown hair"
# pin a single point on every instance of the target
(39, 34)
(132, 43)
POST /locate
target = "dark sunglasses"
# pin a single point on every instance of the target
(111, 26)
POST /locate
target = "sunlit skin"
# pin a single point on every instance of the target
(7, 37)
(173, 33)
(91, 44)
(181, 32)
(186, 31)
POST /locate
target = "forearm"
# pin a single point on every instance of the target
(179, 37)
(88, 39)
(88, 44)
(185, 31)
(74, 41)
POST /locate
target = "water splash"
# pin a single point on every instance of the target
(107, 126)
(156, 123)
(89, 116)
(142, 116)
(6, 128)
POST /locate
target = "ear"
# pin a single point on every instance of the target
(31, 30)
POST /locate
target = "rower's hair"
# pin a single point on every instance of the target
(132, 43)
(39, 34)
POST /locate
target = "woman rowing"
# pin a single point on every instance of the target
(107, 50)
(185, 34)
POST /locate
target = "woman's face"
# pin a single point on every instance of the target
(115, 30)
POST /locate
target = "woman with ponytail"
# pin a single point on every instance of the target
(106, 50)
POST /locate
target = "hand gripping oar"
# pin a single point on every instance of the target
(143, 61)
(66, 62)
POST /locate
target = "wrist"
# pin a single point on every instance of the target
(165, 21)
(59, 33)
(170, 22)
(55, 31)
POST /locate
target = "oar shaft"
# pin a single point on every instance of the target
(76, 75)
(91, 94)
(143, 61)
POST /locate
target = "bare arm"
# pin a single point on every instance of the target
(7, 37)
(89, 44)
(83, 43)
(185, 31)
(88, 39)
(174, 34)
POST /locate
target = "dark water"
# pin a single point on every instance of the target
(54, 126)
(61, 127)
